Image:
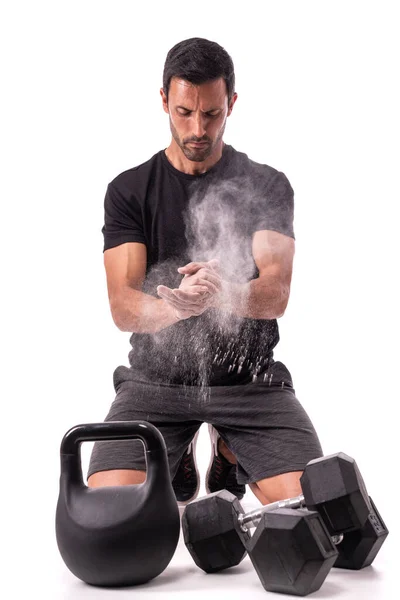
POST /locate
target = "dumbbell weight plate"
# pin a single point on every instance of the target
(359, 548)
(212, 533)
(333, 486)
(292, 551)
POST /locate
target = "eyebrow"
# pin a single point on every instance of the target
(189, 109)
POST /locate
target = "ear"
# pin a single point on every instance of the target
(232, 102)
(164, 101)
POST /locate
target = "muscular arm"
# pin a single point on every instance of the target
(267, 296)
(131, 309)
(263, 298)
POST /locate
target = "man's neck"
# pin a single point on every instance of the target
(190, 167)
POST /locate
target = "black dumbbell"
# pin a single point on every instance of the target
(351, 513)
(291, 550)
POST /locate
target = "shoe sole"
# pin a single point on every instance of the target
(194, 442)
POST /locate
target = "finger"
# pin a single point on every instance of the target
(197, 288)
(163, 289)
(177, 299)
(201, 286)
(206, 277)
(194, 267)
(186, 296)
(212, 282)
(191, 268)
(192, 296)
(214, 263)
(204, 273)
(167, 294)
(183, 307)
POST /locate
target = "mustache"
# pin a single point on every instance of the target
(198, 140)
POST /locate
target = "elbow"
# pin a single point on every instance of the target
(268, 313)
(274, 313)
(282, 302)
(121, 320)
(116, 312)
(277, 309)
(280, 312)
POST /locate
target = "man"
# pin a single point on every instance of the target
(198, 253)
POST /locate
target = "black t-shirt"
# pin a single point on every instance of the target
(180, 218)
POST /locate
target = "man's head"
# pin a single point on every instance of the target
(198, 94)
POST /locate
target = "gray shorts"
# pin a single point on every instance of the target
(262, 423)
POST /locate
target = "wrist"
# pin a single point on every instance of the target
(171, 312)
(231, 298)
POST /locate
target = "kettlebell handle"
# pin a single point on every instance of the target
(112, 430)
(151, 437)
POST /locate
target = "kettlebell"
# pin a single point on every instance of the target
(116, 535)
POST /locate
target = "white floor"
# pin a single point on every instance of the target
(31, 565)
(46, 575)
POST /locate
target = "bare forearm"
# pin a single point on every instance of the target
(262, 298)
(138, 312)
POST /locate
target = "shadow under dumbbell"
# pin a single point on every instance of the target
(369, 574)
(328, 590)
(341, 580)
(242, 569)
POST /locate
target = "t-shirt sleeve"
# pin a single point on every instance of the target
(122, 218)
(277, 212)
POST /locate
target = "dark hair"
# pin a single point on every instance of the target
(198, 60)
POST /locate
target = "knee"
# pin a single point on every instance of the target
(226, 452)
(279, 487)
(116, 477)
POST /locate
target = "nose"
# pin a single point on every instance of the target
(198, 125)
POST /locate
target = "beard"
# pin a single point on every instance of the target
(196, 154)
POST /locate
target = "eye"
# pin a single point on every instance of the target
(184, 112)
(212, 113)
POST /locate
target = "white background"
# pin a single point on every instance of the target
(318, 99)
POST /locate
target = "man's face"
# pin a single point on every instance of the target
(197, 115)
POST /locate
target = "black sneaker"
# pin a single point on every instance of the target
(221, 474)
(186, 482)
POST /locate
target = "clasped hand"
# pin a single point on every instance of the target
(198, 290)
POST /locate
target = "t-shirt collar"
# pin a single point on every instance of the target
(225, 153)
